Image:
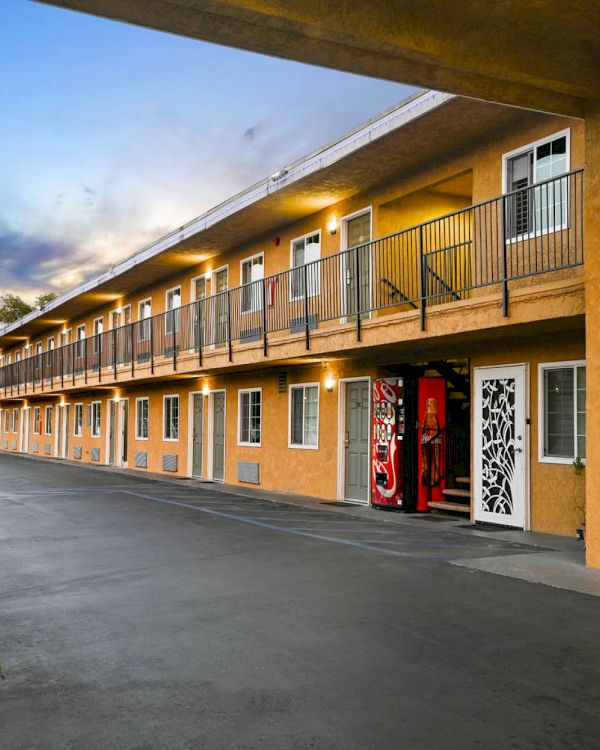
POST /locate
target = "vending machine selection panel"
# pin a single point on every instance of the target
(388, 412)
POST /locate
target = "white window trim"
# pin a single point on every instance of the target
(63, 334)
(297, 386)
(93, 421)
(36, 422)
(138, 399)
(294, 268)
(542, 367)
(529, 147)
(15, 421)
(46, 410)
(164, 414)
(242, 285)
(239, 419)
(139, 307)
(49, 340)
(207, 277)
(167, 292)
(75, 405)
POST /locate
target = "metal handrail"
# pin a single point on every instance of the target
(519, 234)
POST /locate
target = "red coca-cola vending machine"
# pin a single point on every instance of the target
(392, 444)
(431, 462)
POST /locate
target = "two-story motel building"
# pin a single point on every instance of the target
(442, 240)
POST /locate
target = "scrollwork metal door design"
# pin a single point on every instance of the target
(499, 445)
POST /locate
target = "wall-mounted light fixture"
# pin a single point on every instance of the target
(332, 226)
(329, 383)
(207, 275)
(205, 390)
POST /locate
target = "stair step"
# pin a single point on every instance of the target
(456, 507)
(457, 493)
(463, 480)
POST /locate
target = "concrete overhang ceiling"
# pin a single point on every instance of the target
(539, 54)
(438, 135)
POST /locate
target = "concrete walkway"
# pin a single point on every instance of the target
(558, 561)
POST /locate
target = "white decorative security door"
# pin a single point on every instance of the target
(500, 445)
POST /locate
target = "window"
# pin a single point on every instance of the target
(96, 418)
(78, 420)
(15, 420)
(38, 347)
(305, 250)
(304, 416)
(37, 420)
(249, 416)
(65, 337)
(50, 351)
(144, 315)
(562, 411)
(252, 288)
(142, 407)
(171, 418)
(7, 420)
(80, 340)
(51, 343)
(540, 209)
(48, 415)
(98, 330)
(172, 320)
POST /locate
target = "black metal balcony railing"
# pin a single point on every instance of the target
(521, 234)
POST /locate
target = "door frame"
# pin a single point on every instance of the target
(190, 446)
(108, 426)
(59, 426)
(119, 443)
(526, 442)
(343, 247)
(341, 462)
(210, 434)
(25, 429)
(62, 437)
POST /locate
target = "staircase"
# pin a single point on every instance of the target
(458, 499)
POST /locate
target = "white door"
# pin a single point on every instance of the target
(25, 428)
(500, 445)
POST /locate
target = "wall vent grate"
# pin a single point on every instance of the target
(249, 472)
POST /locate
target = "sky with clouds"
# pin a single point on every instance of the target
(112, 135)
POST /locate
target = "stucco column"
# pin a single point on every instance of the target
(592, 312)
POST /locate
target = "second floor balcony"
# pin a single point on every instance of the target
(486, 248)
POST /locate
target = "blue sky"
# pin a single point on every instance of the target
(111, 135)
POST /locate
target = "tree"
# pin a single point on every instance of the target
(12, 307)
(44, 299)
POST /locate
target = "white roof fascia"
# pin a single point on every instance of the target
(397, 117)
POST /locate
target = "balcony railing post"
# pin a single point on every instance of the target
(114, 352)
(174, 339)
(504, 263)
(73, 363)
(229, 325)
(62, 366)
(357, 292)
(264, 315)
(306, 326)
(200, 315)
(100, 337)
(131, 342)
(423, 274)
(18, 379)
(151, 321)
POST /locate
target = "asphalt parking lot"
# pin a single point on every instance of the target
(143, 614)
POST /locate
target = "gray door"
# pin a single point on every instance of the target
(124, 431)
(357, 263)
(112, 435)
(218, 437)
(67, 409)
(357, 441)
(197, 434)
(59, 431)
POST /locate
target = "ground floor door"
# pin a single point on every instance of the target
(356, 441)
(112, 432)
(124, 431)
(218, 436)
(197, 433)
(25, 429)
(500, 445)
(64, 437)
(60, 422)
